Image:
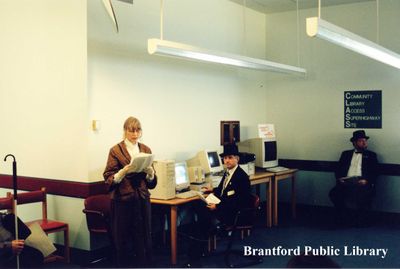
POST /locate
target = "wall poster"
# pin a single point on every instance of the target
(363, 109)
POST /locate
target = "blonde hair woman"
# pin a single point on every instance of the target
(130, 199)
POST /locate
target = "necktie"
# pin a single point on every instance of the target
(225, 178)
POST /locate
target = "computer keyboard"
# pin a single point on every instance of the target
(186, 194)
(277, 169)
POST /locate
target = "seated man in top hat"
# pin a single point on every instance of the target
(233, 191)
(356, 176)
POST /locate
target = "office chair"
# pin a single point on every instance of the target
(97, 210)
(47, 225)
(243, 223)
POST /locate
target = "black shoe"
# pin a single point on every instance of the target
(194, 264)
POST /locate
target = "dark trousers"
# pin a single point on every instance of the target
(131, 229)
(201, 229)
(344, 194)
(28, 258)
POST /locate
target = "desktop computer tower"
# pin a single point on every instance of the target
(165, 171)
(196, 174)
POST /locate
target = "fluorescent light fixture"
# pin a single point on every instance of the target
(168, 48)
(110, 10)
(339, 36)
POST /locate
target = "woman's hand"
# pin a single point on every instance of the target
(121, 174)
(149, 173)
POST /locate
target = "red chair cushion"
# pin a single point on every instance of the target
(49, 225)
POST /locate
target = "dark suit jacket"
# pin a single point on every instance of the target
(235, 196)
(369, 168)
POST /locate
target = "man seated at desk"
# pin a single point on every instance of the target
(234, 194)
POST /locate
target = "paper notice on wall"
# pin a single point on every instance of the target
(266, 130)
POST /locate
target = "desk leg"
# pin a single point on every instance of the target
(269, 204)
(258, 190)
(293, 197)
(174, 210)
(275, 186)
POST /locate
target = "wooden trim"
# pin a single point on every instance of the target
(387, 169)
(55, 186)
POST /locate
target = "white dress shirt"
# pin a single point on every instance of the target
(228, 178)
(355, 165)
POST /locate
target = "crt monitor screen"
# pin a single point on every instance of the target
(269, 151)
(181, 176)
(213, 159)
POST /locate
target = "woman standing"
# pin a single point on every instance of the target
(130, 199)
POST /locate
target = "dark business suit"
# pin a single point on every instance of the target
(235, 196)
(361, 195)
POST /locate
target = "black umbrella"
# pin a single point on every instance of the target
(15, 187)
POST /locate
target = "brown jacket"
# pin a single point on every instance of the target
(127, 189)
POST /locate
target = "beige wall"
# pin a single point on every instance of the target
(309, 114)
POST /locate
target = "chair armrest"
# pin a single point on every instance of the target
(94, 212)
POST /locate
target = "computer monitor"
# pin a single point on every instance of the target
(182, 181)
(209, 160)
(265, 150)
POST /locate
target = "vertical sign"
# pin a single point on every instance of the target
(363, 109)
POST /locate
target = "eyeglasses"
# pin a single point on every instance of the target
(137, 130)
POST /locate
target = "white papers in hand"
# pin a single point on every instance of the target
(39, 240)
(210, 199)
(139, 162)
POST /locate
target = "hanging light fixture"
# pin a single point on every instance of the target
(174, 49)
(316, 27)
(168, 48)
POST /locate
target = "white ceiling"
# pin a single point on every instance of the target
(100, 26)
(274, 6)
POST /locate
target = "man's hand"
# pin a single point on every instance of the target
(362, 182)
(212, 207)
(206, 189)
(17, 246)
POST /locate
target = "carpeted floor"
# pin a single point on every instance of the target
(347, 246)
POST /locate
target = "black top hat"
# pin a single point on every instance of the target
(230, 149)
(358, 134)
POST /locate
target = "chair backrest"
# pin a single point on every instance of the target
(7, 203)
(245, 217)
(97, 210)
(34, 197)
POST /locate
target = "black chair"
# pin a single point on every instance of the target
(97, 210)
(243, 223)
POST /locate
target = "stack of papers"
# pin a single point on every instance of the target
(210, 199)
(139, 162)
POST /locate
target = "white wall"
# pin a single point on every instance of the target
(57, 76)
(43, 96)
(179, 103)
(43, 99)
(309, 114)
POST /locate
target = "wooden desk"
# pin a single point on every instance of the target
(260, 178)
(173, 204)
(280, 176)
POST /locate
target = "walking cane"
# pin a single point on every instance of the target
(15, 198)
